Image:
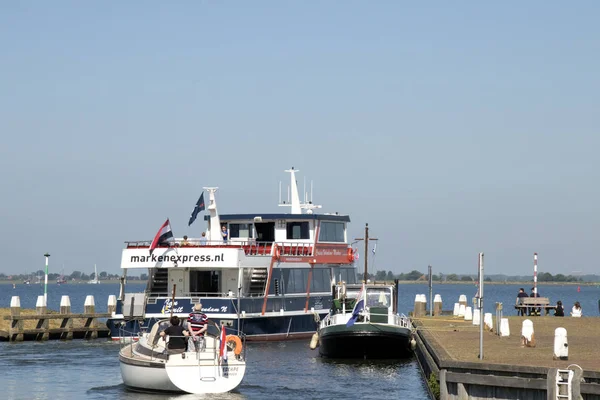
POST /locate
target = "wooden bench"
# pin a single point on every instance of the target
(531, 305)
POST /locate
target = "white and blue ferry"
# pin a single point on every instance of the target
(271, 278)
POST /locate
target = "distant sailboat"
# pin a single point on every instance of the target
(94, 281)
(61, 279)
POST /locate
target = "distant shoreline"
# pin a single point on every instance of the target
(20, 283)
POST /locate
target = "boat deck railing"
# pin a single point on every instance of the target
(367, 316)
(158, 349)
(250, 247)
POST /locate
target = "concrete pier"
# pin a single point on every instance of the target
(448, 348)
(43, 324)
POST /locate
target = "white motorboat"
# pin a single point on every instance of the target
(147, 365)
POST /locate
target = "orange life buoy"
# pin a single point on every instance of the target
(237, 349)
(350, 254)
(277, 252)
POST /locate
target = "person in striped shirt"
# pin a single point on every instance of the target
(197, 325)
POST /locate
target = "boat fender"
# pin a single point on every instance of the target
(350, 254)
(413, 343)
(237, 349)
(314, 342)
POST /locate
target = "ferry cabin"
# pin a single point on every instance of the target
(269, 277)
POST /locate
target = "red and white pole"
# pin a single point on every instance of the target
(535, 273)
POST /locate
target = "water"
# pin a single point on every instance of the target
(90, 369)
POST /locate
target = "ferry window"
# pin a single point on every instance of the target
(240, 230)
(295, 280)
(298, 230)
(332, 232)
(378, 297)
(347, 275)
(321, 280)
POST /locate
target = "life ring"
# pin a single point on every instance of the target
(237, 349)
(350, 254)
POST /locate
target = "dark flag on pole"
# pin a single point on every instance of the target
(199, 207)
(162, 235)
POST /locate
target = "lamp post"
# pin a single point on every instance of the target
(46, 281)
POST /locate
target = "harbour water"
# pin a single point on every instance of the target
(90, 369)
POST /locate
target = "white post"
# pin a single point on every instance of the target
(480, 306)
(535, 273)
(46, 281)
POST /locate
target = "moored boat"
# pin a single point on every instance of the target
(364, 321)
(217, 367)
(270, 276)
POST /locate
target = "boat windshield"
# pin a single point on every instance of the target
(378, 297)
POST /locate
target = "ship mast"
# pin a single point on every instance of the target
(366, 240)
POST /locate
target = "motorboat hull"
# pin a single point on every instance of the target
(367, 341)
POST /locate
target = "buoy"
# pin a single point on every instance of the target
(314, 341)
(578, 289)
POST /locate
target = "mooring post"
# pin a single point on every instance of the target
(112, 303)
(43, 323)
(437, 305)
(89, 307)
(67, 323)
(16, 325)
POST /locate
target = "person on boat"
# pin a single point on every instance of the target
(576, 311)
(203, 239)
(559, 311)
(519, 302)
(176, 332)
(224, 233)
(198, 325)
(185, 241)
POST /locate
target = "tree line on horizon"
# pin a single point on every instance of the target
(415, 275)
(74, 276)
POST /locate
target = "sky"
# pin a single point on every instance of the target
(451, 129)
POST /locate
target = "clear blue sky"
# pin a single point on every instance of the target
(449, 128)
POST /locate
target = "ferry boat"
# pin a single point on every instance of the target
(271, 277)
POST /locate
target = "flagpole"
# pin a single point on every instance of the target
(46, 282)
(366, 239)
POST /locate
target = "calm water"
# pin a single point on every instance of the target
(90, 369)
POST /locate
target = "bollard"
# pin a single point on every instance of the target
(527, 334)
(112, 303)
(476, 317)
(498, 317)
(16, 327)
(504, 327)
(561, 346)
(417, 307)
(423, 305)
(461, 310)
(456, 309)
(437, 305)
(67, 323)
(89, 307)
(488, 323)
(462, 300)
(44, 324)
(468, 314)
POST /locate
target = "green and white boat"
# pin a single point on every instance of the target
(363, 323)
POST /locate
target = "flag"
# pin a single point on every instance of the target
(358, 307)
(162, 235)
(374, 248)
(356, 255)
(197, 208)
(223, 346)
